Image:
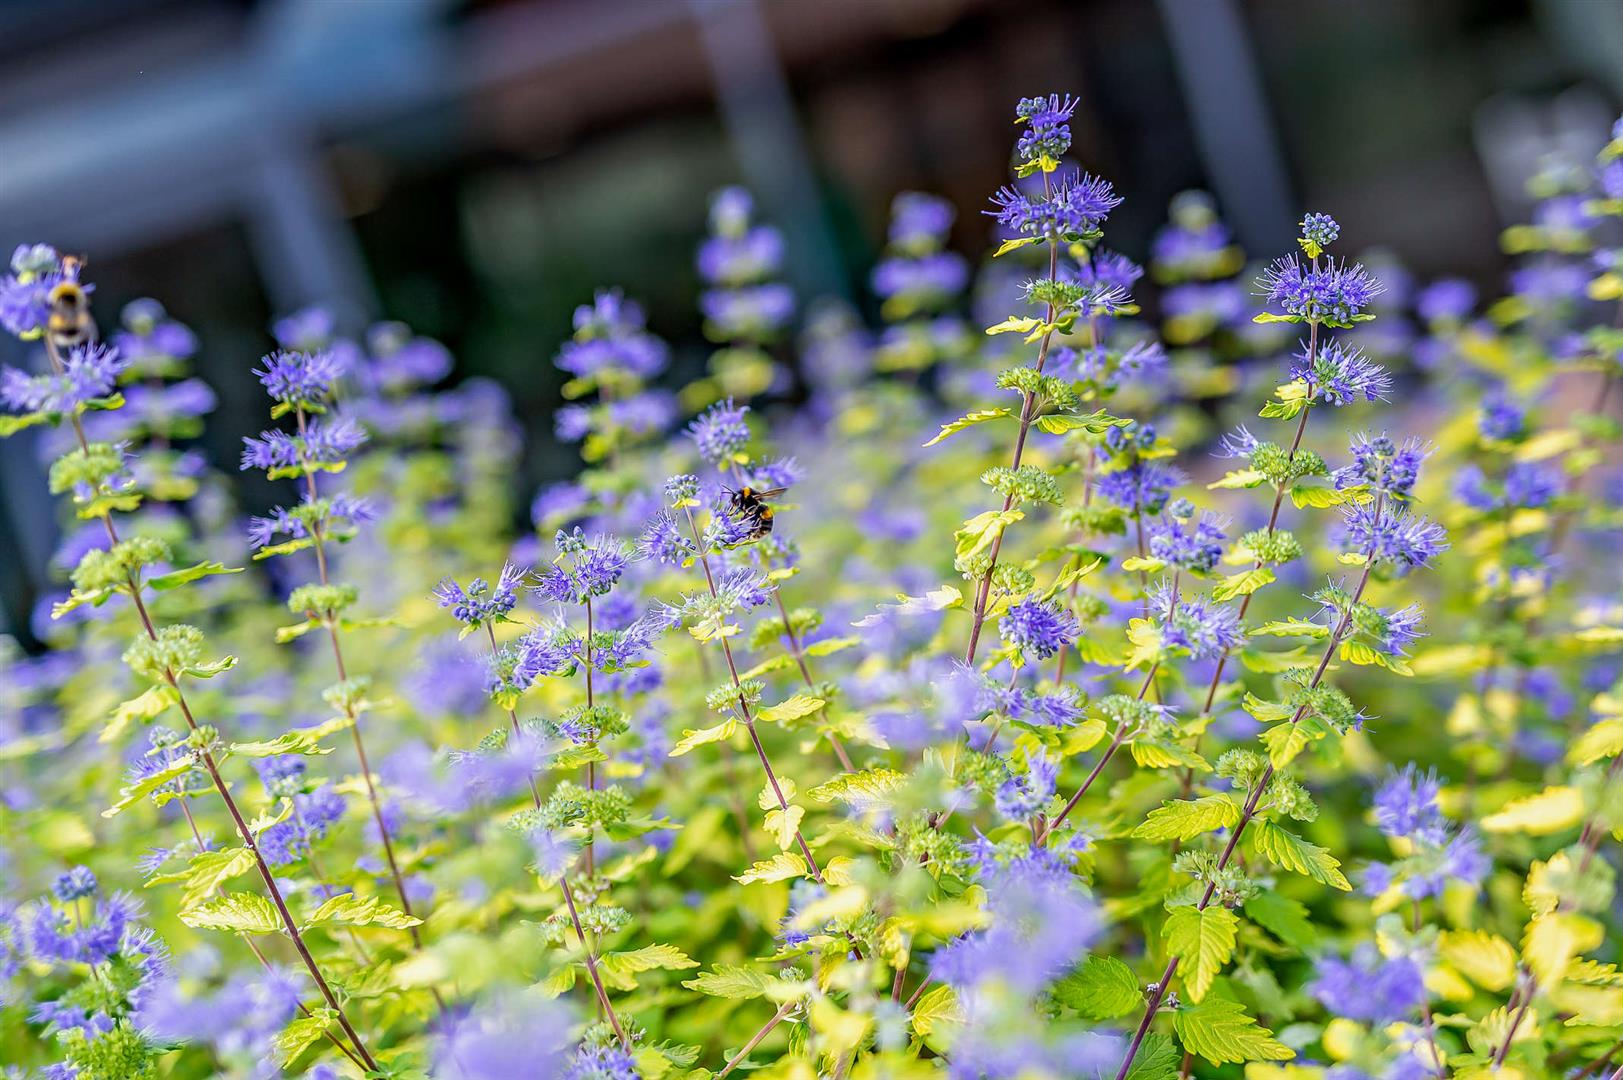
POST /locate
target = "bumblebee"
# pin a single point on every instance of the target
(69, 323)
(751, 505)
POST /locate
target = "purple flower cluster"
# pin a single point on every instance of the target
(515, 1035)
(664, 540)
(150, 340)
(1340, 374)
(1333, 293)
(300, 379)
(1141, 486)
(1382, 466)
(481, 603)
(611, 336)
(1041, 922)
(1369, 987)
(1072, 211)
(1406, 808)
(334, 516)
(1196, 624)
(323, 444)
(1392, 533)
(314, 815)
(1194, 545)
(720, 431)
(1526, 485)
(923, 279)
(89, 372)
(736, 252)
(1023, 794)
(919, 222)
(1319, 231)
(748, 311)
(583, 568)
(1038, 628)
(1048, 128)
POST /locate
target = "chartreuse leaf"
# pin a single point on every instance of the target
(207, 871)
(839, 1030)
(1157, 755)
(830, 646)
(740, 983)
(937, 1018)
(1015, 324)
(1220, 1031)
(1187, 819)
(142, 707)
(176, 578)
(1237, 479)
(1553, 941)
(1203, 941)
(796, 707)
(1293, 628)
(1010, 245)
(970, 419)
(1242, 584)
(983, 530)
(351, 910)
(301, 1034)
(1603, 740)
(1101, 989)
(934, 600)
(131, 794)
(298, 741)
(1285, 741)
(1285, 918)
(783, 822)
(239, 912)
(1551, 810)
(1485, 958)
(1319, 498)
(1289, 851)
(10, 425)
(780, 867)
(618, 968)
(867, 789)
(1060, 423)
(691, 740)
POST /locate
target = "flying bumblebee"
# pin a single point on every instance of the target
(750, 505)
(69, 323)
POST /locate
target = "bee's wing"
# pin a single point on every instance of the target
(771, 493)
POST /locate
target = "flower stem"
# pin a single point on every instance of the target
(755, 1040)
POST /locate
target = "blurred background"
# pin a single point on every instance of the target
(476, 169)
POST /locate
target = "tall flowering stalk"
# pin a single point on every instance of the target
(708, 617)
(1070, 212)
(918, 281)
(1324, 297)
(583, 570)
(303, 384)
(82, 379)
(1378, 532)
(745, 309)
